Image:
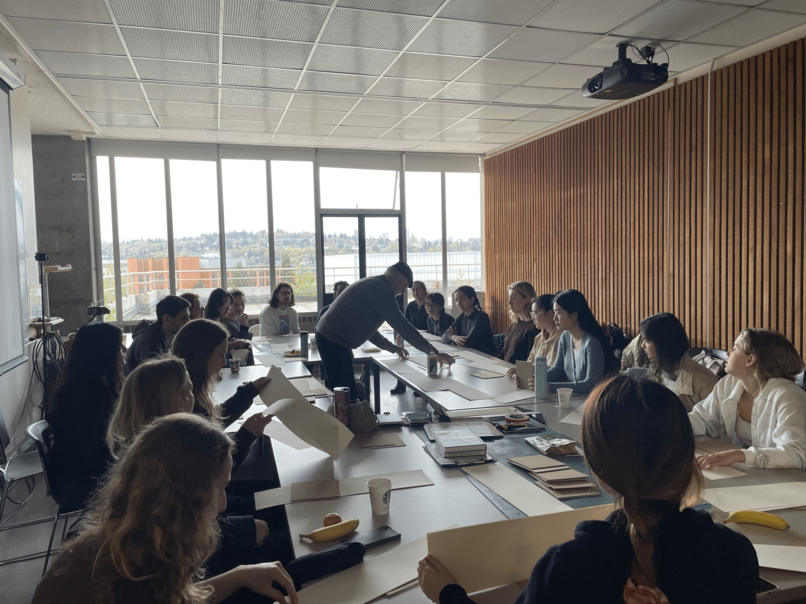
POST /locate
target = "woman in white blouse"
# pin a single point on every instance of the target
(757, 405)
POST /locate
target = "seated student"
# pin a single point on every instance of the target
(472, 329)
(79, 412)
(417, 315)
(236, 320)
(665, 343)
(521, 333)
(279, 317)
(438, 320)
(196, 308)
(338, 287)
(153, 526)
(654, 548)
(583, 352)
(153, 338)
(757, 405)
(218, 307)
(548, 336)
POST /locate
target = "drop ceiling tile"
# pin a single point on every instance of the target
(456, 136)
(89, 11)
(260, 77)
(749, 28)
(552, 115)
(438, 146)
(316, 129)
(265, 53)
(533, 96)
(335, 82)
(386, 107)
(428, 67)
(259, 98)
(367, 29)
(244, 138)
(465, 38)
(239, 112)
(190, 94)
(277, 20)
(543, 45)
(113, 105)
(593, 17)
(122, 119)
(393, 145)
(521, 127)
(102, 89)
(447, 109)
(575, 99)
(427, 123)
(190, 136)
(469, 125)
(67, 36)
(372, 121)
(513, 12)
(677, 20)
(187, 15)
(160, 44)
(141, 133)
(492, 112)
(478, 148)
(423, 8)
(345, 143)
(72, 63)
(792, 6)
(190, 123)
(421, 89)
(496, 71)
(358, 132)
(247, 125)
(343, 59)
(302, 116)
(409, 135)
(205, 110)
(177, 71)
(500, 137)
(563, 76)
(322, 102)
(685, 56)
(472, 92)
(297, 140)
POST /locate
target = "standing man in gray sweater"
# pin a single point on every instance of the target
(355, 316)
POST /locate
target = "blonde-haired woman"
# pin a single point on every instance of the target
(153, 525)
(757, 405)
(521, 334)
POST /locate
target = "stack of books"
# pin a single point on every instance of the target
(462, 446)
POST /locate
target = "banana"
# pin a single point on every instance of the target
(334, 531)
(760, 518)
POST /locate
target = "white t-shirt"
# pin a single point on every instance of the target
(743, 431)
(276, 322)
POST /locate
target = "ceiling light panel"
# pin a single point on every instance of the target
(372, 121)
(542, 45)
(259, 98)
(160, 44)
(323, 102)
(552, 115)
(239, 112)
(749, 28)
(522, 127)
(472, 92)
(426, 123)
(386, 107)
(495, 71)
(685, 56)
(604, 52)
(409, 134)
(592, 17)
(513, 12)
(113, 105)
(190, 94)
(313, 129)
(533, 96)
(302, 116)
(344, 59)
(465, 38)
(447, 109)
(71, 63)
(492, 112)
(432, 145)
(367, 29)
(335, 82)
(247, 126)
(122, 119)
(101, 89)
(177, 71)
(469, 125)
(205, 110)
(186, 15)
(420, 89)
(677, 20)
(277, 20)
(189, 123)
(90, 11)
(42, 34)
(428, 67)
(358, 132)
(260, 77)
(792, 6)
(563, 76)
(423, 8)
(265, 53)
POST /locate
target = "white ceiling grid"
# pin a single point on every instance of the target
(462, 76)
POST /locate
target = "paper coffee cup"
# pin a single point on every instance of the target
(564, 397)
(380, 495)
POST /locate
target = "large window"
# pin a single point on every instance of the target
(107, 237)
(424, 228)
(353, 189)
(463, 221)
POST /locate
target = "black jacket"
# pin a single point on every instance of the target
(148, 341)
(478, 331)
(418, 318)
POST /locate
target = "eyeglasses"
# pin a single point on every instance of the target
(284, 291)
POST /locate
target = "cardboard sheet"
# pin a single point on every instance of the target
(268, 359)
(314, 491)
(782, 557)
(723, 472)
(761, 497)
(565, 475)
(714, 445)
(518, 544)
(486, 375)
(279, 432)
(521, 394)
(310, 386)
(465, 391)
(562, 493)
(381, 440)
(524, 371)
(272, 497)
(482, 412)
(536, 462)
(527, 497)
(369, 349)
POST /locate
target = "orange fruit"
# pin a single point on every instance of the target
(331, 519)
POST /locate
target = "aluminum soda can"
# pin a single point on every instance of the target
(235, 366)
(341, 404)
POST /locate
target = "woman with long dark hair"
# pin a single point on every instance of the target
(472, 329)
(218, 307)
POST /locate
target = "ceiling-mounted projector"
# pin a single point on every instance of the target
(625, 79)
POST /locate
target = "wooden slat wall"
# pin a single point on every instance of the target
(689, 201)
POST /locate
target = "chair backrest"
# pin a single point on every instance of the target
(255, 330)
(37, 431)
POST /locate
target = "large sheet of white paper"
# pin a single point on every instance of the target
(782, 557)
(268, 359)
(489, 366)
(310, 386)
(520, 394)
(279, 388)
(280, 347)
(527, 497)
(279, 432)
(475, 357)
(400, 366)
(723, 472)
(430, 337)
(761, 497)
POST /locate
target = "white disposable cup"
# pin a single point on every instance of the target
(564, 397)
(380, 495)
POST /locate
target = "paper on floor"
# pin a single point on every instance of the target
(527, 497)
(782, 557)
(761, 497)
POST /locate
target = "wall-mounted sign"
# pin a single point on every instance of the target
(79, 177)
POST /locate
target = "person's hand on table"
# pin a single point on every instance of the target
(512, 372)
(237, 344)
(459, 340)
(451, 330)
(256, 424)
(433, 577)
(716, 460)
(244, 320)
(402, 352)
(259, 578)
(445, 359)
(261, 532)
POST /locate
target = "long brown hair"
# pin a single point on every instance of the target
(155, 517)
(638, 441)
(525, 290)
(776, 357)
(195, 344)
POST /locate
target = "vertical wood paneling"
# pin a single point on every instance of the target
(671, 203)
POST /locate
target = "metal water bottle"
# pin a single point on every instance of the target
(303, 344)
(541, 378)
